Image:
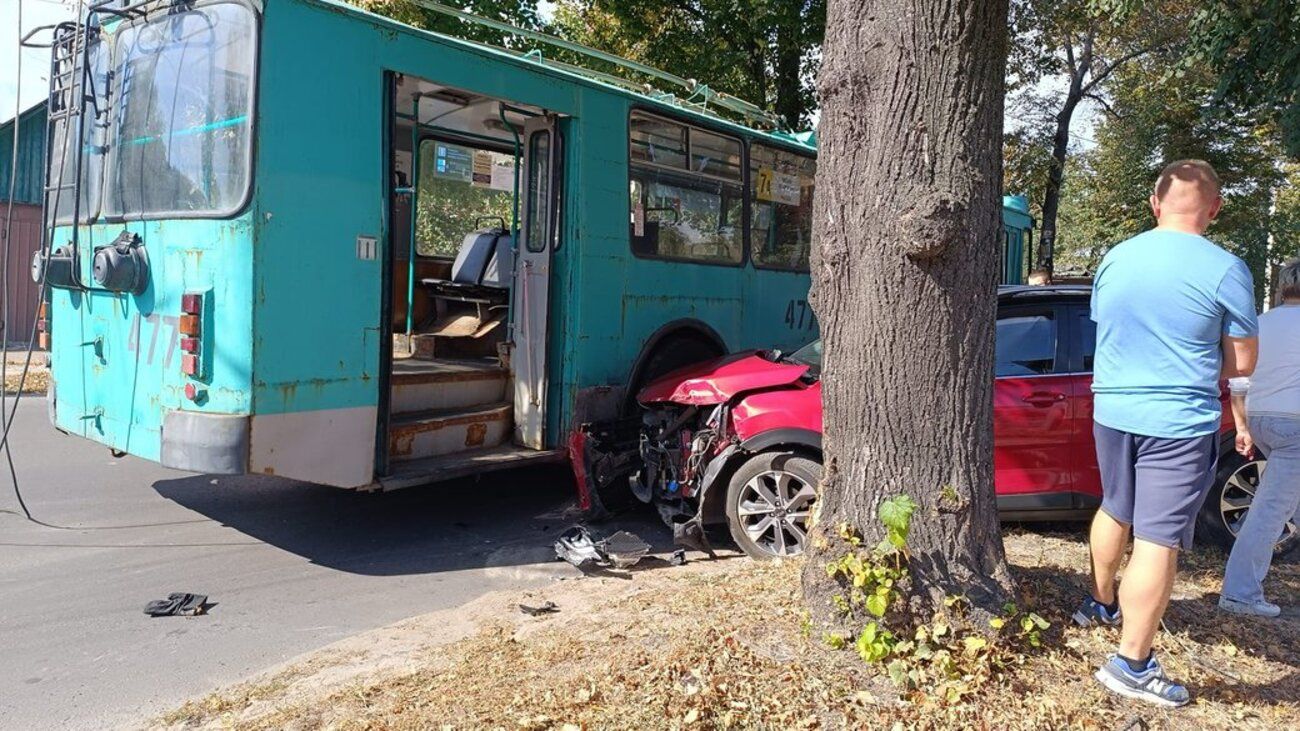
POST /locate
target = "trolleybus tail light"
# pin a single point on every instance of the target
(191, 331)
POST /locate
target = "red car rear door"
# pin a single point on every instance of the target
(1032, 403)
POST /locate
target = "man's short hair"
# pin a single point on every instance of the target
(1198, 171)
(1288, 281)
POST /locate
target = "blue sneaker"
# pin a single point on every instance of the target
(1092, 612)
(1149, 685)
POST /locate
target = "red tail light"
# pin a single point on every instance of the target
(191, 330)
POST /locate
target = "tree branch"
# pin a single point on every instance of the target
(1108, 68)
(1098, 98)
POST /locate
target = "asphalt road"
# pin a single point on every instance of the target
(290, 567)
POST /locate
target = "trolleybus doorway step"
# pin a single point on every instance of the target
(463, 464)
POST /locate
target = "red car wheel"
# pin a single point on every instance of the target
(769, 502)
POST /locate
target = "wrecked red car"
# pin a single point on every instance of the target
(737, 440)
(734, 440)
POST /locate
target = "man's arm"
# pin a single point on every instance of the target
(1239, 356)
(1240, 342)
(1245, 441)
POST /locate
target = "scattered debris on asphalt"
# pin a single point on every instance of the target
(178, 604)
(575, 546)
(620, 550)
(623, 549)
(547, 608)
(678, 558)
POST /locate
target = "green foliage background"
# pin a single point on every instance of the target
(1215, 79)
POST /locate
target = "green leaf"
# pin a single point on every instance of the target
(997, 622)
(1039, 621)
(974, 644)
(877, 604)
(896, 513)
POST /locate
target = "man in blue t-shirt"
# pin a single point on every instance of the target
(1175, 314)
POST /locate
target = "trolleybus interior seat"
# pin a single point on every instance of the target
(482, 270)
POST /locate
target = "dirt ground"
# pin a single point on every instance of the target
(723, 644)
(38, 376)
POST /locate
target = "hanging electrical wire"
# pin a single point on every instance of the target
(49, 210)
(4, 264)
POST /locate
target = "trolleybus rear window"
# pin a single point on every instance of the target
(183, 130)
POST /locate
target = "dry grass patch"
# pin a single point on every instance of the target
(721, 645)
(37, 381)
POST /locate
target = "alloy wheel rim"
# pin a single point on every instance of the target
(1239, 493)
(773, 509)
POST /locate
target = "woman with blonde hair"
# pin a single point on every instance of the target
(1266, 408)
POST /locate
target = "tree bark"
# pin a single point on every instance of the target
(907, 220)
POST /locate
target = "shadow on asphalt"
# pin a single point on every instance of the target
(503, 519)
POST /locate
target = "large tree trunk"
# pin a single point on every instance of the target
(904, 285)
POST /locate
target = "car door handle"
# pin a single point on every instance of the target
(1044, 399)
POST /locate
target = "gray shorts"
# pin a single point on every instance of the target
(1155, 484)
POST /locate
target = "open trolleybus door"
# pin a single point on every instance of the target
(538, 232)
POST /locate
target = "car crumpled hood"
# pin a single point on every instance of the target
(716, 381)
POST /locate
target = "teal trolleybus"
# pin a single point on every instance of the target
(292, 237)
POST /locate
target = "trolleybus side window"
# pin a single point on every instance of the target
(780, 234)
(184, 113)
(461, 188)
(686, 192)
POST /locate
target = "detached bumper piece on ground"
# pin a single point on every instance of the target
(620, 550)
(178, 604)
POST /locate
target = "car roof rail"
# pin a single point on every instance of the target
(1043, 290)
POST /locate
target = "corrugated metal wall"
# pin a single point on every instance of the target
(16, 323)
(31, 149)
(26, 234)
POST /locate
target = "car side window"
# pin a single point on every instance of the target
(1026, 342)
(1087, 336)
